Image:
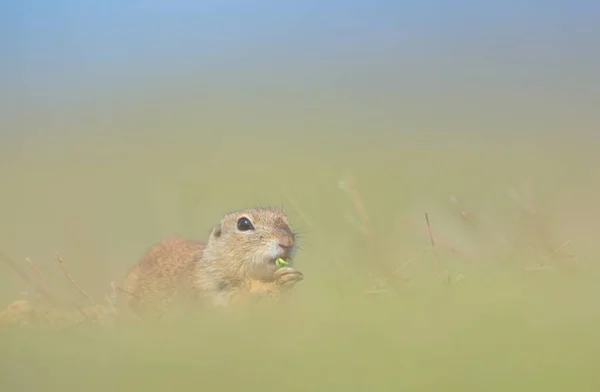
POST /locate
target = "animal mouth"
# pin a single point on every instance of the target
(286, 259)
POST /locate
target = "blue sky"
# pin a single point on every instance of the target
(56, 44)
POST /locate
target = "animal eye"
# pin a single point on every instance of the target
(244, 224)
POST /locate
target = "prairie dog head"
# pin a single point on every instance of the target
(252, 240)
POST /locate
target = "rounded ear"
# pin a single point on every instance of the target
(216, 231)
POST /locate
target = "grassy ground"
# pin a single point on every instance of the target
(513, 225)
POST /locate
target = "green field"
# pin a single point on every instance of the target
(519, 312)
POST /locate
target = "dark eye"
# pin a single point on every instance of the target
(244, 224)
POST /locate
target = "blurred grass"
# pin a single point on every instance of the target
(533, 334)
(101, 193)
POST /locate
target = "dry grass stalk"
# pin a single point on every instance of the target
(437, 260)
(64, 268)
(441, 240)
(23, 312)
(348, 186)
(313, 228)
(41, 290)
(540, 227)
(377, 289)
(37, 271)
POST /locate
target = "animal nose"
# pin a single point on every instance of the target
(286, 249)
(286, 241)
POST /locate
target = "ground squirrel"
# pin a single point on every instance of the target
(237, 262)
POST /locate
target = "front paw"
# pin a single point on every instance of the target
(287, 277)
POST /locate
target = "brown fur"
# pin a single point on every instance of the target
(232, 266)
